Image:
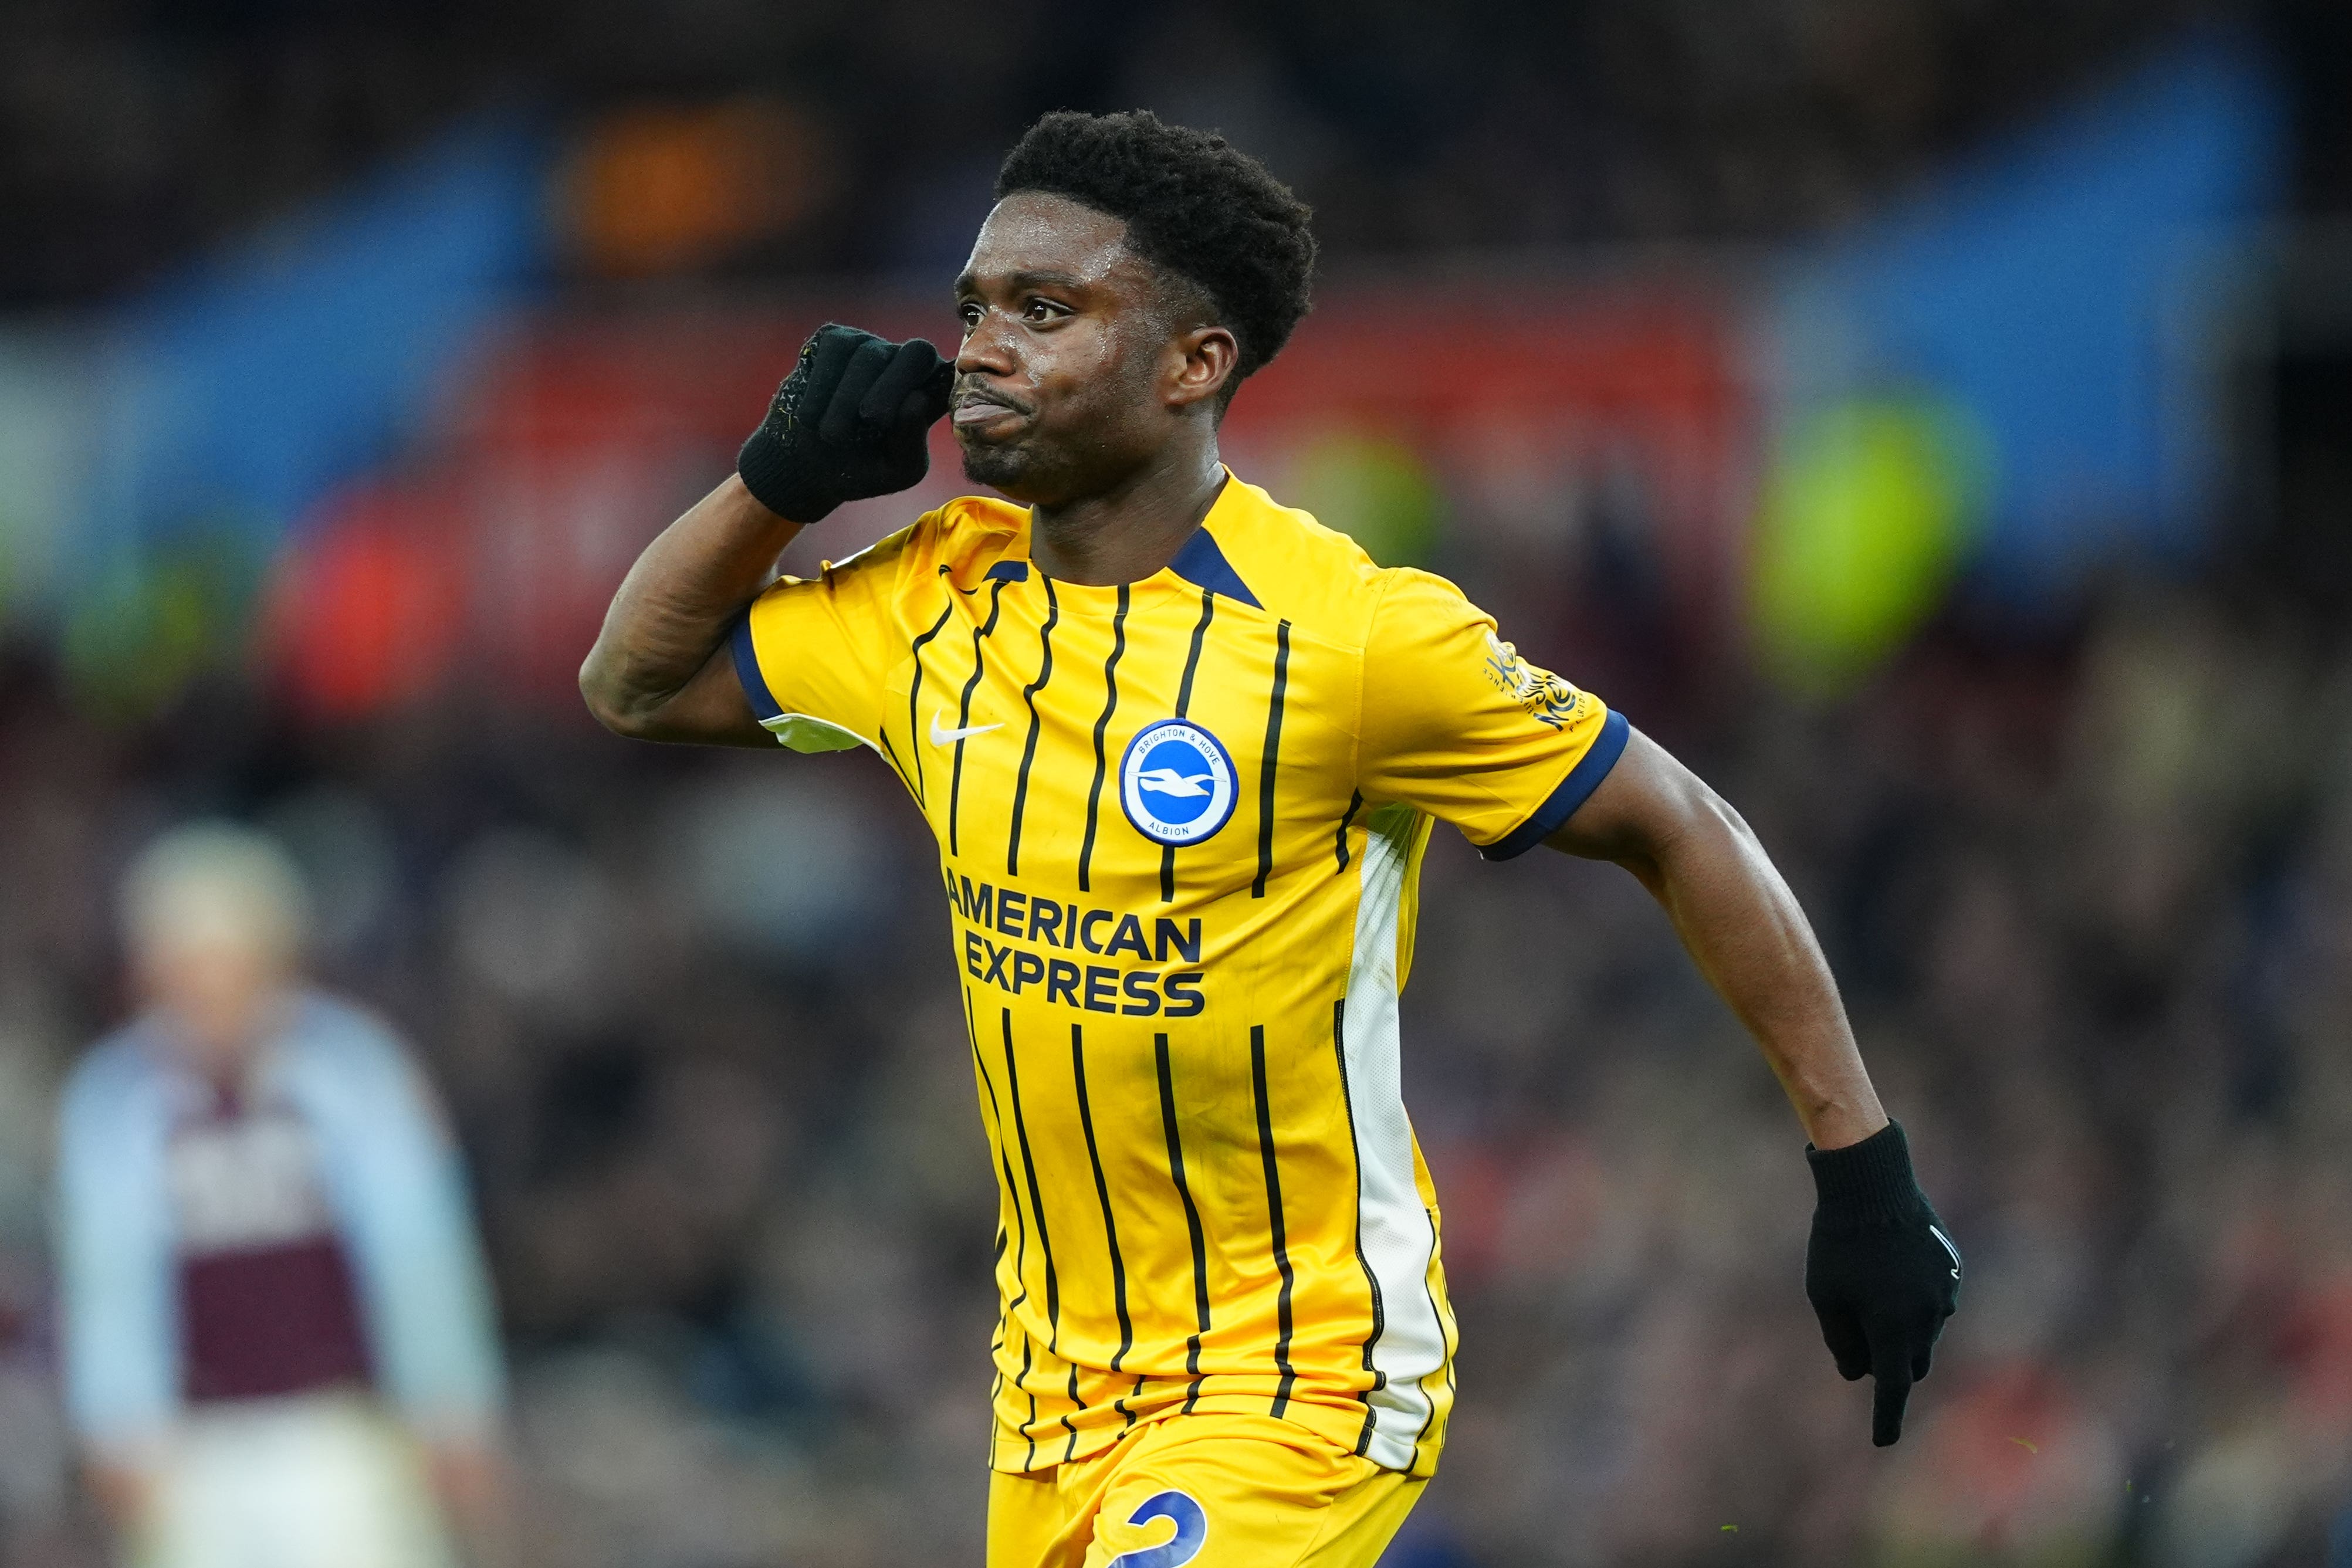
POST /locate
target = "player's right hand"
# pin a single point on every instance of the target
(851, 421)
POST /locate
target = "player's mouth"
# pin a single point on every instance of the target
(978, 412)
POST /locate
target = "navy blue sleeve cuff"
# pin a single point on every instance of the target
(764, 705)
(1573, 791)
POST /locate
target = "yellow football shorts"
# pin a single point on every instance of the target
(1207, 1490)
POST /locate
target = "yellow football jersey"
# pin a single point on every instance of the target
(1181, 824)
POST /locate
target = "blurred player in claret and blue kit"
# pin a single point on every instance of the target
(1182, 748)
(281, 1349)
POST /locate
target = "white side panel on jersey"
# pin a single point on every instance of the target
(807, 733)
(1396, 1235)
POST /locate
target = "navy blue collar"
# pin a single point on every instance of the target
(1203, 565)
(1200, 563)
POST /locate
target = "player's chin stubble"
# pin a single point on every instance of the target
(998, 467)
(1023, 471)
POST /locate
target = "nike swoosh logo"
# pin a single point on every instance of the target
(949, 737)
(1954, 1252)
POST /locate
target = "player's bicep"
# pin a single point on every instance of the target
(711, 709)
(1648, 799)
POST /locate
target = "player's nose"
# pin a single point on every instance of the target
(987, 350)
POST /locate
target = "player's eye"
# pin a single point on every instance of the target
(1039, 309)
(970, 313)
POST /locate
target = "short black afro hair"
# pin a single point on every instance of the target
(1194, 204)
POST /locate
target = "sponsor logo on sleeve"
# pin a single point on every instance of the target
(1548, 700)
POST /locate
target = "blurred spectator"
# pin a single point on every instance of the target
(277, 1330)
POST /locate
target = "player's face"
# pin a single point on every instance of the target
(1067, 350)
(218, 988)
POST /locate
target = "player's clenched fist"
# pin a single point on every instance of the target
(849, 422)
(1882, 1270)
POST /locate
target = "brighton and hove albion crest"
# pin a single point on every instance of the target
(1176, 782)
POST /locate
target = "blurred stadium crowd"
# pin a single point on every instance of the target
(133, 129)
(2083, 865)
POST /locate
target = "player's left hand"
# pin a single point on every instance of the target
(1881, 1270)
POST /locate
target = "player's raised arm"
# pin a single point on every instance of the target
(848, 423)
(1881, 1271)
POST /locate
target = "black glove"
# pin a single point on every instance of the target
(1881, 1271)
(849, 422)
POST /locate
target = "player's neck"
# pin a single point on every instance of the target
(1129, 532)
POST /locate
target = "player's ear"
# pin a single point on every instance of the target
(1202, 360)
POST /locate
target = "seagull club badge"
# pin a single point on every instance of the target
(1176, 782)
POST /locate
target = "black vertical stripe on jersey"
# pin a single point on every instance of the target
(882, 733)
(1445, 1342)
(1102, 727)
(1355, 804)
(1119, 1403)
(1444, 1347)
(1193, 657)
(1183, 706)
(996, 1114)
(981, 634)
(1003, 1239)
(995, 1434)
(1044, 1243)
(915, 696)
(1036, 1203)
(1371, 1280)
(1272, 750)
(1028, 1428)
(1192, 1220)
(1274, 1217)
(1029, 749)
(1102, 1193)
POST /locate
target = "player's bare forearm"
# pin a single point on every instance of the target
(1741, 925)
(660, 669)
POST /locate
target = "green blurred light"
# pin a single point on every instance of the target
(135, 638)
(1376, 491)
(1868, 511)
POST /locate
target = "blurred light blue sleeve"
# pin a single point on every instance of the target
(114, 1252)
(394, 1177)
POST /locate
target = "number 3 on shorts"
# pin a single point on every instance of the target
(1191, 1532)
